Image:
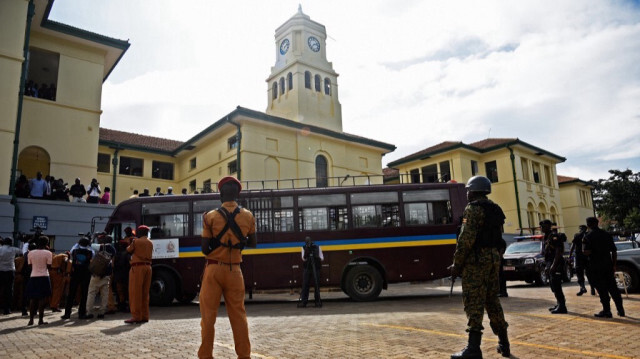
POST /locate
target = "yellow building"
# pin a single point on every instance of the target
(298, 142)
(50, 93)
(525, 182)
(577, 202)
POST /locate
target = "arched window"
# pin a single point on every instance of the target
(281, 85)
(321, 172)
(275, 90)
(318, 82)
(289, 81)
(307, 79)
(327, 86)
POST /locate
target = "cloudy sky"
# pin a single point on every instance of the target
(560, 75)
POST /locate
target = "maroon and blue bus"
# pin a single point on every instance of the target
(370, 235)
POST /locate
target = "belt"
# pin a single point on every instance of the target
(140, 264)
(213, 261)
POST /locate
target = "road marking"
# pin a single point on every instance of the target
(570, 317)
(542, 346)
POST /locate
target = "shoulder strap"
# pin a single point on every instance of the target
(231, 224)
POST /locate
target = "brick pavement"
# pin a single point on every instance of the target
(410, 321)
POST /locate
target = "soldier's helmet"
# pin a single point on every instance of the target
(479, 184)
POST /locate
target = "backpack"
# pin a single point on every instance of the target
(99, 265)
(81, 258)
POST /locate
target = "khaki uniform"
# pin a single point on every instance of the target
(224, 278)
(480, 266)
(58, 267)
(141, 250)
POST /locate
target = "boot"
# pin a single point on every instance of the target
(551, 309)
(562, 309)
(582, 291)
(472, 350)
(503, 344)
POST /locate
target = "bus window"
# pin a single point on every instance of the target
(166, 220)
(375, 209)
(199, 209)
(323, 212)
(429, 207)
(273, 214)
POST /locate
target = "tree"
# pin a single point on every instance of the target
(632, 221)
(615, 198)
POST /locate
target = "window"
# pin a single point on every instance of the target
(131, 166)
(375, 209)
(318, 81)
(327, 86)
(474, 168)
(525, 169)
(232, 143)
(492, 171)
(192, 163)
(430, 174)
(104, 162)
(282, 85)
(206, 186)
(232, 167)
(272, 214)
(322, 179)
(445, 171)
(289, 81)
(427, 207)
(307, 79)
(166, 220)
(536, 172)
(414, 175)
(162, 170)
(192, 186)
(322, 212)
(42, 78)
(275, 90)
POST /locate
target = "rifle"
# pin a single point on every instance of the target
(452, 279)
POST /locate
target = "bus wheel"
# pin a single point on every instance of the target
(163, 289)
(363, 283)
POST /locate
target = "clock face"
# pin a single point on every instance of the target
(284, 46)
(314, 44)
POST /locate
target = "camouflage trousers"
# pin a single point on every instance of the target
(480, 287)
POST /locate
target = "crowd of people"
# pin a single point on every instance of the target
(33, 277)
(43, 91)
(51, 188)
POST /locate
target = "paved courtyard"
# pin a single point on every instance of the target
(408, 321)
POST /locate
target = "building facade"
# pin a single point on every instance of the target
(576, 196)
(524, 179)
(297, 142)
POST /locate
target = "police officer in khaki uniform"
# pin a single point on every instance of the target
(141, 250)
(477, 259)
(58, 268)
(225, 232)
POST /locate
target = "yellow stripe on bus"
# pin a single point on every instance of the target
(337, 247)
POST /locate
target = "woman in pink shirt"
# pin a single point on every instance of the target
(106, 197)
(39, 286)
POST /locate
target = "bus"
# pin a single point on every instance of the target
(371, 236)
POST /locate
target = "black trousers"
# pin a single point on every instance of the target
(310, 271)
(555, 281)
(6, 289)
(582, 270)
(606, 285)
(79, 278)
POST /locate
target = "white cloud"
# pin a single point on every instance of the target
(562, 76)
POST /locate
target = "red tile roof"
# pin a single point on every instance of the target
(134, 139)
(562, 179)
(491, 142)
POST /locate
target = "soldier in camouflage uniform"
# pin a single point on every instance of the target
(477, 259)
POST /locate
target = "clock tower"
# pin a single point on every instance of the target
(303, 86)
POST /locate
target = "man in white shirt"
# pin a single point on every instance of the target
(8, 254)
(312, 257)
